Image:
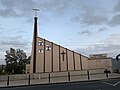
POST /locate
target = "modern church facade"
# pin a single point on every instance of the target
(47, 56)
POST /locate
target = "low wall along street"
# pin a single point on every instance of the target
(45, 75)
(55, 77)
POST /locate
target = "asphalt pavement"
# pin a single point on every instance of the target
(106, 84)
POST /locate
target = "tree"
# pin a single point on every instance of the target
(15, 61)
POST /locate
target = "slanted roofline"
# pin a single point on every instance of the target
(64, 48)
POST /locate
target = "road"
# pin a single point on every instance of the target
(108, 84)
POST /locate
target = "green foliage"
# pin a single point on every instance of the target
(2, 71)
(16, 60)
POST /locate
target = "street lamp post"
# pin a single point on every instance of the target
(117, 58)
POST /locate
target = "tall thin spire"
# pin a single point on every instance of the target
(35, 41)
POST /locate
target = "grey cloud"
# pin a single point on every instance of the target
(23, 8)
(91, 16)
(16, 8)
(115, 20)
(56, 7)
(102, 29)
(1, 29)
(87, 32)
(59, 5)
(91, 19)
(1, 26)
(76, 19)
(8, 13)
(95, 15)
(20, 9)
(16, 42)
(117, 7)
(21, 31)
(7, 3)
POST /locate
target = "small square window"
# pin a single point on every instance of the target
(40, 51)
(40, 43)
(48, 48)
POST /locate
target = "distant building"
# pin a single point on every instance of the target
(98, 56)
(100, 61)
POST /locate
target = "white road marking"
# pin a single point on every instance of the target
(111, 84)
(107, 83)
(117, 83)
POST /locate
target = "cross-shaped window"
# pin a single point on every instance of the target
(63, 55)
(40, 43)
(48, 48)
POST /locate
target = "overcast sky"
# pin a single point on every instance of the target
(86, 26)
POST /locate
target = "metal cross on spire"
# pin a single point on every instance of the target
(36, 10)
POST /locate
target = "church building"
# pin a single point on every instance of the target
(47, 56)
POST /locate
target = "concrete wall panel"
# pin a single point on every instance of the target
(70, 60)
(48, 54)
(55, 57)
